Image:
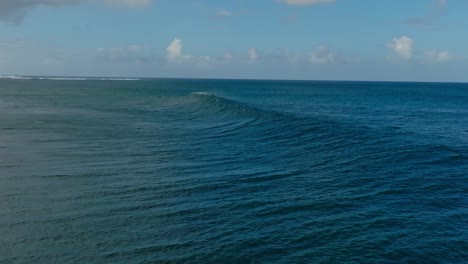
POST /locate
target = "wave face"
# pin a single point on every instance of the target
(204, 171)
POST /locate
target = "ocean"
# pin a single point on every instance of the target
(232, 171)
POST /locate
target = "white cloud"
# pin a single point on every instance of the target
(175, 53)
(442, 3)
(253, 55)
(130, 3)
(221, 12)
(438, 9)
(228, 56)
(436, 56)
(15, 10)
(176, 56)
(306, 2)
(322, 55)
(402, 46)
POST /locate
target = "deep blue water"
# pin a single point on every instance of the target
(218, 171)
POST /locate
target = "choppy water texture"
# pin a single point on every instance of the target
(205, 171)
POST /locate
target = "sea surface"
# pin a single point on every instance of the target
(232, 171)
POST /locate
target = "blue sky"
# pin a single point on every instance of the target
(417, 40)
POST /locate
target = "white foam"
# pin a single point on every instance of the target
(14, 77)
(17, 77)
(118, 79)
(63, 78)
(202, 93)
(86, 79)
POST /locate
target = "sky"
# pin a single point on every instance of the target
(386, 40)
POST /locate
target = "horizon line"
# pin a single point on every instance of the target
(133, 78)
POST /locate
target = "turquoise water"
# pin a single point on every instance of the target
(219, 171)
